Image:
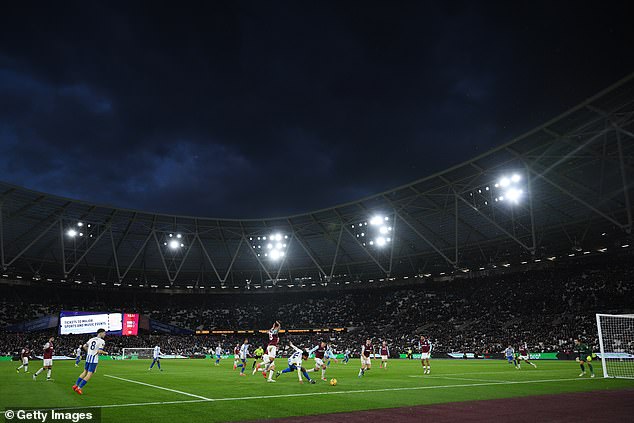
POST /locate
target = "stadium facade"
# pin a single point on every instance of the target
(564, 188)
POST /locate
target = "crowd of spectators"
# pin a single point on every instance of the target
(544, 308)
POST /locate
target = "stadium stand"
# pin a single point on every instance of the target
(545, 307)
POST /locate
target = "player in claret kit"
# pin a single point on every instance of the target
(425, 353)
(384, 353)
(523, 350)
(47, 364)
(584, 355)
(25, 354)
(94, 348)
(236, 356)
(320, 352)
(366, 362)
(268, 359)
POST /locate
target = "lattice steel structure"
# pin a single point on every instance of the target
(576, 176)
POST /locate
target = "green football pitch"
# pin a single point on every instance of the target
(198, 391)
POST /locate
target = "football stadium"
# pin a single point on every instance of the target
(332, 211)
(497, 288)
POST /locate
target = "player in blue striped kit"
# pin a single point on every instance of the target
(330, 355)
(156, 355)
(78, 355)
(94, 348)
(509, 353)
(295, 364)
(244, 353)
(218, 355)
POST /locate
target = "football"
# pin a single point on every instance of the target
(333, 382)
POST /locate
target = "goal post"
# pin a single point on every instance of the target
(616, 344)
(136, 353)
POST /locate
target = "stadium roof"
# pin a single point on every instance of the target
(572, 189)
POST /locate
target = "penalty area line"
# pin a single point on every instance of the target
(307, 394)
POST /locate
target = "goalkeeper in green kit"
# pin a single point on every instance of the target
(584, 355)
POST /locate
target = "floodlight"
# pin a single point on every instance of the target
(505, 182)
(380, 241)
(80, 224)
(275, 254)
(278, 246)
(513, 194)
(269, 246)
(278, 237)
(516, 178)
(174, 244)
(179, 236)
(383, 230)
(72, 233)
(376, 220)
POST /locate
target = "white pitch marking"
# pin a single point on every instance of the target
(461, 378)
(358, 391)
(160, 387)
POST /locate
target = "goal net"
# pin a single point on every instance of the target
(136, 353)
(616, 343)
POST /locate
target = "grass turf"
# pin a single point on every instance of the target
(228, 397)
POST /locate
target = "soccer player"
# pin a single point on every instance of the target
(156, 358)
(524, 356)
(244, 353)
(346, 356)
(218, 355)
(330, 355)
(257, 355)
(584, 355)
(78, 355)
(47, 364)
(425, 353)
(509, 353)
(236, 356)
(274, 339)
(295, 364)
(384, 353)
(366, 363)
(25, 354)
(320, 351)
(94, 347)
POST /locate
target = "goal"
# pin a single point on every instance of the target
(616, 343)
(136, 353)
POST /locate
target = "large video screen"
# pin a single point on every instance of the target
(77, 322)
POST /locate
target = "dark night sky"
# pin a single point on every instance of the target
(253, 109)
